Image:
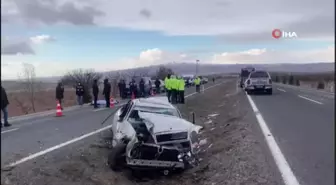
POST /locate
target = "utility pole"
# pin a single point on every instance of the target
(197, 61)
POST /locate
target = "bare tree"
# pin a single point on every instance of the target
(85, 77)
(163, 71)
(29, 82)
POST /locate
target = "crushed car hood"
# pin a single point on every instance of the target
(160, 123)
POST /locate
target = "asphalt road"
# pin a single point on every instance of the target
(302, 123)
(29, 136)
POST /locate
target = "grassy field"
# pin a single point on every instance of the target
(321, 81)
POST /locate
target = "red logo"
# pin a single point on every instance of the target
(276, 33)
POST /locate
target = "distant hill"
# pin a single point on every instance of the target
(207, 69)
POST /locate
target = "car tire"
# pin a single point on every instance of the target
(249, 92)
(269, 92)
(116, 158)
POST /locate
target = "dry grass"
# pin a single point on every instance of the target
(19, 103)
(323, 81)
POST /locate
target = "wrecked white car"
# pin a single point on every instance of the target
(150, 133)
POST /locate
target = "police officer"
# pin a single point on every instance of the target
(142, 87)
(168, 87)
(95, 91)
(106, 92)
(174, 86)
(79, 93)
(197, 84)
(181, 86)
(157, 86)
(60, 93)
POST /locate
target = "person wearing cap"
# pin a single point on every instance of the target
(181, 85)
(168, 87)
(79, 93)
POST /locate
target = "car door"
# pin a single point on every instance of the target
(123, 125)
(117, 122)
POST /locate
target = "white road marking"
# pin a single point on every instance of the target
(204, 90)
(10, 130)
(115, 106)
(33, 156)
(280, 160)
(96, 110)
(303, 97)
(281, 90)
(30, 157)
(190, 95)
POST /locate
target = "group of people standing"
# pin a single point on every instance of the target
(175, 86)
(175, 89)
(134, 90)
(80, 92)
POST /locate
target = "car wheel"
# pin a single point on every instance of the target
(270, 92)
(249, 92)
(116, 158)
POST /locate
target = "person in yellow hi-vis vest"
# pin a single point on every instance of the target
(197, 84)
(174, 86)
(181, 90)
(167, 82)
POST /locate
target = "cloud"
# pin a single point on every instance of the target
(10, 67)
(15, 46)
(48, 12)
(231, 20)
(41, 39)
(261, 56)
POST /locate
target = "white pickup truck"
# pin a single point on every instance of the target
(258, 81)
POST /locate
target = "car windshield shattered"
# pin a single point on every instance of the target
(156, 110)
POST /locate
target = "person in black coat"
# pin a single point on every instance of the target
(142, 87)
(107, 92)
(4, 104)
(133, 88)
(60, 93)
(95, 91)
(121, 88)
(80, 93)
(157, 85)
(124, 92)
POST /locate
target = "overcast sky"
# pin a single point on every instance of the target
(59, 35)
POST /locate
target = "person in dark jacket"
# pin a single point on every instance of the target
(123, 86)
(95, 91)
(133, 88)
(80, 93)
(4, 104)
(107, 92)
(157, 85)
(60, 93)
(142, 88)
